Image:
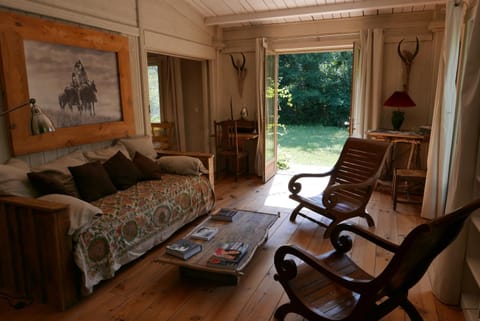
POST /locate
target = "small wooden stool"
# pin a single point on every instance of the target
(415, 176)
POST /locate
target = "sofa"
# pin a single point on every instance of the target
(68, 224)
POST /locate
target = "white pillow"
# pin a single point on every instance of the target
(14, 180)
(182, 165)
(141, 144)
(105, 154)
(80, 212)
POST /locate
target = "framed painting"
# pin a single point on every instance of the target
(79, 77)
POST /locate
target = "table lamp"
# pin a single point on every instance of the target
(39, 122)
(399, 99)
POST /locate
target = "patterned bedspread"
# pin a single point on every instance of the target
(137, 219)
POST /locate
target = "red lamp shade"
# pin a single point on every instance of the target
(399, 99)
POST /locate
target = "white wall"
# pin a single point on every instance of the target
(332, 34)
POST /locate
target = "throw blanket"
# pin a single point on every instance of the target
(136, 219)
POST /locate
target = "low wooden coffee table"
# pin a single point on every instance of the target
(248, 226)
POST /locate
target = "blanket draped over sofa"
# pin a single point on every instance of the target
(136, 219)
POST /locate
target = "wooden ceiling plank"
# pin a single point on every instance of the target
(327, 9)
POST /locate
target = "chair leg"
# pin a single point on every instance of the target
(295, 212)
(369, 219)
(411, 310)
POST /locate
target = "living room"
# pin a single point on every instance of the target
(178, 29)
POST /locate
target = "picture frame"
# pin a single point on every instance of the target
(17, 34)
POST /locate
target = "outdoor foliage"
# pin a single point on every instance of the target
(314, 88)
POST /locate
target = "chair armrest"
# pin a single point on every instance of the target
(287, 269)
(343, 243)
(295, 187)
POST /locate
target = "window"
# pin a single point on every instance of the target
(154, 93)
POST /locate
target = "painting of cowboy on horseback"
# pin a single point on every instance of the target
(81, 91)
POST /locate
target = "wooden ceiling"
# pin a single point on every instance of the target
(234, 13)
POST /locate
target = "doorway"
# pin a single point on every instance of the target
(178, 90)
(314, 107)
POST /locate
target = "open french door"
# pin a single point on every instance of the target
(271, 115)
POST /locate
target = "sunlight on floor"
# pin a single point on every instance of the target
(278, 193)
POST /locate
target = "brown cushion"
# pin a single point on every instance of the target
(149, 168)
(122, 171)
(47, 184)
(92, 181)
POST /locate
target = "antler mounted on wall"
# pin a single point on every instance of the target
(407, 59)
(241, 71)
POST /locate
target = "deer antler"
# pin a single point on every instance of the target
(407, 59)
(241, 71)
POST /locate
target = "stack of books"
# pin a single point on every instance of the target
(183, 248)
(225, 214)
(228, 255)
(204, 233)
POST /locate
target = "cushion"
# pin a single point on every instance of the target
(122, 171)
(80, 212)
(182, 165)
(14, 180)
(141, 144)
(149, 169)
(105, 154)
(58, 169)
(46, 184)
(92, 181)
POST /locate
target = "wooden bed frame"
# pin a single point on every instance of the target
(37, 252)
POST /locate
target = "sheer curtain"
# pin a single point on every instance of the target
(172, 97)
(440, 146)
(367, 86)
(454, 156)
(260, 98)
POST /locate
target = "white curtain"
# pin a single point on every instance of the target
(443, 123)
(172, 97)
(457, 124)
(260, 98)
(367, 86)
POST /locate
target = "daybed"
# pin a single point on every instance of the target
(57, 247)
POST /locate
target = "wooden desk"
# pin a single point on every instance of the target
(412, 138)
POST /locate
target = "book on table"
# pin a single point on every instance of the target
(183, 248)
(225, 214)
(228, 255)
(204, 233)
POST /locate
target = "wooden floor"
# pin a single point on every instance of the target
(146, 291)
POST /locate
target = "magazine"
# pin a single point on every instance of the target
(225, 214)
(204, 233)
(183, 248)
(228, 255)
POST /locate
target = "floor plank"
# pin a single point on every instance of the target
(146, 290)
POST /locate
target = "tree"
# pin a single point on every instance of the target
(315, 88)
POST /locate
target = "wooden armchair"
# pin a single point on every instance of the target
(332, 287)
(350, 186)
(163, 135)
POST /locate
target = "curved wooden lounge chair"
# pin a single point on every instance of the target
(351, 184)
(332, 287)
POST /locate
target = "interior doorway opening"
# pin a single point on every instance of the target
(314, 108)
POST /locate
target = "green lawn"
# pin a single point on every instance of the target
(309, 145)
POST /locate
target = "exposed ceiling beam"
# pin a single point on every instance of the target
(316, 10)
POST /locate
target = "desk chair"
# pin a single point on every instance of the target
(163, 135)
(331, 286)
(226, 145)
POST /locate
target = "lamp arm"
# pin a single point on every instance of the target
(31, 101)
